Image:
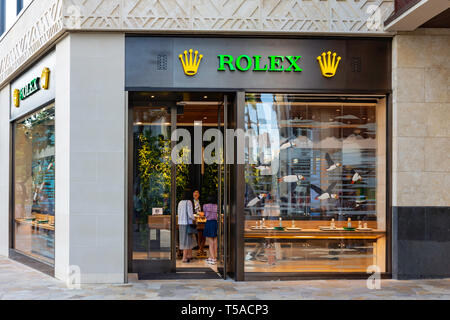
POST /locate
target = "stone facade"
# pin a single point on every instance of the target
(236, 15)
(90, 128)
(45, 21)
(421, 154)
(33, 32)
(421, 130)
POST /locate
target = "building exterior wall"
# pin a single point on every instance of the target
(90, 131)
(306, 16)
(90, 115)
(4, 170)
(421, 148)
(44, 21)
(38, 26)
(62, 154)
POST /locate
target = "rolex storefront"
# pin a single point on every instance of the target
(32, 120)
(282, 146)
(300, 167)
(308, 137)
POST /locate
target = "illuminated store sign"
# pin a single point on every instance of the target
(328, 63)
(32, 87)
(255, 63)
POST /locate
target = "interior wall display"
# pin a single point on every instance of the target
(34, 185)
(315, 192)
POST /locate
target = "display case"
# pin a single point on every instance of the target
(315, 184)
(34, 185)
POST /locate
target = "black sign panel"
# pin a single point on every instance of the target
(260, 64)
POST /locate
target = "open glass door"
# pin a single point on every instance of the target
(158, 184)
(223, 192)
(153, 209)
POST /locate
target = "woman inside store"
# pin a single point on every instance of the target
(210, 232)
(196, 201)
(200, 237)
(186, 226)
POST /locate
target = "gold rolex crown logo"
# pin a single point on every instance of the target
(45, 78)
(328, 64)
(190, 63)
(16, 97)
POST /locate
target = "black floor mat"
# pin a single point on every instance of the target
(182, 274)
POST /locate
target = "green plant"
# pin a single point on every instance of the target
(154, 173)
(210, 185)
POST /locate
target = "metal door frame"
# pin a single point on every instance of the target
(164, 266)
(222, 237)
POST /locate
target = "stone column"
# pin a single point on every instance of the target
(4, 170)
(90, 153)
(421, 153)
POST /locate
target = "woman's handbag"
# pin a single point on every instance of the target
(191, 229)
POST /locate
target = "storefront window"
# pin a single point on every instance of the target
(315, 184)
(34, 185)
(152, 184)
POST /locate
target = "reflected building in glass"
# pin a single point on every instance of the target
(34, 185)
(311, 184)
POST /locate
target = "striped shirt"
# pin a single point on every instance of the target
(185, 212)
(210, 211)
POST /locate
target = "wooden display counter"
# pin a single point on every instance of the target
(312, 234)
(163, 222)
(159, 222)
(38, 221)
(310, 229)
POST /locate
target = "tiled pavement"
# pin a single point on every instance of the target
(21, 282)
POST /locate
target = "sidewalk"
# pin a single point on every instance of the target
(21, 282)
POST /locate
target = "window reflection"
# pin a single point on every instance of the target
(34, 185)
(311, 184)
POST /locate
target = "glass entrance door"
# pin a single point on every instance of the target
(224, 183)
(153, 210)
(160, 122)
